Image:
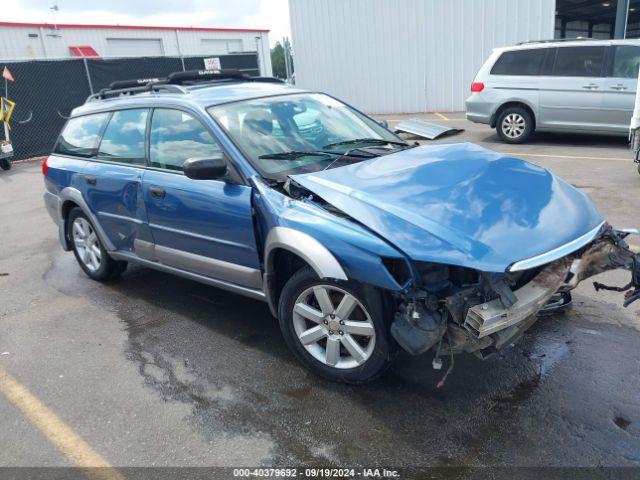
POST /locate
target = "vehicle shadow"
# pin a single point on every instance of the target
(554, 139)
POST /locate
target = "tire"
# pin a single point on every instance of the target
(350, 357)
(515, 125)
(5, 164)
(88, 249)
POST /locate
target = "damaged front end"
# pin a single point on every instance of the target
(458, 310)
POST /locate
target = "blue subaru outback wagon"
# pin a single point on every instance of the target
(359, 242)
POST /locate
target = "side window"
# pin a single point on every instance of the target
(123, 140)
(81, 135)
(176, 136)
(626, 61)
(579, 62)
(519, 62)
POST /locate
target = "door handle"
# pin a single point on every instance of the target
(590, 86)
(618, 87)
(90, 180)
(156, 192)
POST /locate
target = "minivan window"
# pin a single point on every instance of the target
(519, 62)
(579, 61)
(81, 135)
(123, 139)
(626, 61)
(177, 136)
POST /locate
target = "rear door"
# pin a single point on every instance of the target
(571, 95)
(203, 226)
(113, 180)
(620, 86)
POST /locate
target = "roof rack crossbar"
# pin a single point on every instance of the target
(174, 82)
(557, 40)
(151, 87)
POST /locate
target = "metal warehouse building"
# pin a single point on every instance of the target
(33, 41)
(394, 56)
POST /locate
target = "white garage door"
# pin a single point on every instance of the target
(211, 46)
(134, 47)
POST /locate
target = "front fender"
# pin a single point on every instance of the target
(334, 246)
(306, 247)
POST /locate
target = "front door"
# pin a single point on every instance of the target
(113, 181)
(571, 96)
(620, 87)
(202, 226)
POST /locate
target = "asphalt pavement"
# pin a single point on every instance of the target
(154, 370)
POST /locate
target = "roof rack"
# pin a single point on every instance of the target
(174, 82)
(557, 40)
(133, 90)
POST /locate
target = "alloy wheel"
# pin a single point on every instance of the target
(333, 326)
(513, 125)
(86, 244)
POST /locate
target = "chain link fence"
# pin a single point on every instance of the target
(45, 91)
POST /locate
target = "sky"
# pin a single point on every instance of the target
(267, 14)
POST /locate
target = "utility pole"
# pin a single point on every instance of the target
(288, 66)
(622, 13)
(54, 9)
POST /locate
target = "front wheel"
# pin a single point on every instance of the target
(515, 125)
(5, 164)
(88, 249)
(337, 330)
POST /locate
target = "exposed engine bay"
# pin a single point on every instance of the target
(461, 310)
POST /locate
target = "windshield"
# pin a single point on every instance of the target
(311, 129)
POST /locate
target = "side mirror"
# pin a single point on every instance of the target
(205, 168)
(384, 123)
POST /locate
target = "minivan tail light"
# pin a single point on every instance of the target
(477, 86)
(45, 166)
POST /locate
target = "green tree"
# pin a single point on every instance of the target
(277, 61)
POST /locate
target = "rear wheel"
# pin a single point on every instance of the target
(89, 251)
(337, 330)
(515, 125)
(5, 164)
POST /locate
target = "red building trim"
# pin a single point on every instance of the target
(129, 27)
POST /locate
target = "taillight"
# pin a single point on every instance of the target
(45, 167)
(477, 86)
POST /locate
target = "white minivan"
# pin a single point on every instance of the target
(582, 86)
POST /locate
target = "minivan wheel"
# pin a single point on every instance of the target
(515, 125)
(337, 330)
(88, 249)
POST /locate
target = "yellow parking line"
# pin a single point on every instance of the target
(56, 431)
(438, 114)
(572, 157)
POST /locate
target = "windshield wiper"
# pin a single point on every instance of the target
(375, 141)
(293, 155)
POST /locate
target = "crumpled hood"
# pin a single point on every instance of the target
(458, 204)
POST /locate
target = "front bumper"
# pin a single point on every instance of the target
(490, 317)
(494, 324)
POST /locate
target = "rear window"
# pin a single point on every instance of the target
(579, 62)
(81, 135)
(123, 140)
(519, 62)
